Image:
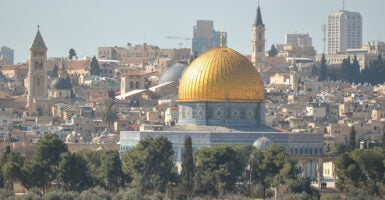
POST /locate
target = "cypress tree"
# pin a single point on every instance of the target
(187, 173)
(323, 69)
(352, 139)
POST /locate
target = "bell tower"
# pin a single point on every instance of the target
(258, 41)
(37, 72)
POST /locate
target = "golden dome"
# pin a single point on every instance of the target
(220, 75)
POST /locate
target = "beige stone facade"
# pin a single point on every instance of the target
(132, 81)
(145, 52)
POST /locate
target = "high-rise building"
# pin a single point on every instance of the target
(8, 54)
(258, 41)
(205, 37)
(298, 39)
(344, 31)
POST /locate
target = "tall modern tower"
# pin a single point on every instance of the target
(36, 83)
(205, 37)
(344, 31)
(258, 41)
(8, 53)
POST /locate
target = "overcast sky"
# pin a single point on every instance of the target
(87, 24)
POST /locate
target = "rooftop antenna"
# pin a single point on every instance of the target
(343, 5)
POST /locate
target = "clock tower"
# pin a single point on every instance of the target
(36, 82)
(258, 41)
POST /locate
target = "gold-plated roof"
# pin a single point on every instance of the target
(220, 75)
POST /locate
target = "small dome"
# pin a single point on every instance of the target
(173, 73)
(262, 143)
(61, 84)
(221, 74)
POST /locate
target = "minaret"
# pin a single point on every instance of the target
(37, 74)
(294, 76)
(258, 41)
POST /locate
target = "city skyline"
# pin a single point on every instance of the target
(87, 25)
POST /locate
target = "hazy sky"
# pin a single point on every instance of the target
(87, 24)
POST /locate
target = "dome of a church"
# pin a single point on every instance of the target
(262, 143)
(61, 84)
(221, 74)
(173, 73)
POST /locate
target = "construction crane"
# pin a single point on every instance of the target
(178, 38)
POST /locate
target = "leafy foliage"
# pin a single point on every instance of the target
(111, 170)
(272, 167)
(352, 139)
(216, 170)
(40, 170)
(273, 51)
(55, 72)
(72, 172)
(352, 72)
(150, 164)
(95, 69)
(187, 173)
(71, 54)
(362, 170)
(323, 73)
(109, 114)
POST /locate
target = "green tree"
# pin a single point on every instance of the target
(109, 114)
(111, 170)
(355, 71)
(217, 170)
(314, 70)
(273, 51)
(383, 141)
(187, 173)
(272, 167)
(11, 168)
(95, 69)
(361, 170)
(55, 71)
(346, 74)
(40, 170)
(150, 164)
(71, 54)
(73, 173)
(323, 69)
(94, 162)
(352, 139)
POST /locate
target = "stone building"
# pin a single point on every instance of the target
(221, 102)
(258, 42)
(37, 80)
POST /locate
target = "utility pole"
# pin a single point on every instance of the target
(324, 38)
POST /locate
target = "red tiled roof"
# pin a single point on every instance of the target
(134, 73)
(78, 64)
(15, 67)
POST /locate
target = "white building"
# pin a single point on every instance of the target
(344, 31)
(298, 39)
